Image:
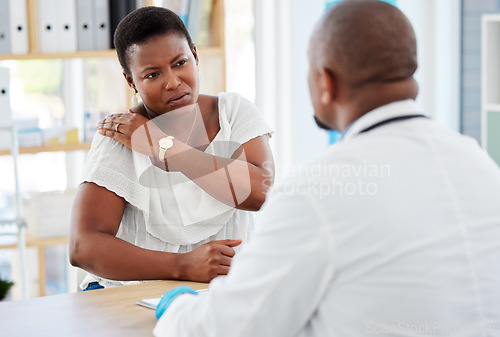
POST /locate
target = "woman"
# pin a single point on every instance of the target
(169, 187)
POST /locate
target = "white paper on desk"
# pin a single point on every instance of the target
(152, 303)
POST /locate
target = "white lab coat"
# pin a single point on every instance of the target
(393, 232)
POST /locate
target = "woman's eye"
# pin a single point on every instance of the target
(181, 63)
(152, 75)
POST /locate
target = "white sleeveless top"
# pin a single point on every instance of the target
(166, 211)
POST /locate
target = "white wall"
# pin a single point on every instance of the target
(308, 140)
(437, 28)
(283, 28)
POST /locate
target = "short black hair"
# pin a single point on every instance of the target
(144, 23)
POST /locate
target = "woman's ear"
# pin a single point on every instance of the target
(195, 54)
(329, 88)
(130, 81)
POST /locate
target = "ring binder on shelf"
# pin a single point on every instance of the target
(18, 26)
(5, 36)
(85, 26)
(67, 26)
(102, 25)
(47, 26)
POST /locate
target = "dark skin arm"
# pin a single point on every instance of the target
(241, 181)
(93, 246)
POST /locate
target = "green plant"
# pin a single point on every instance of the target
(4, 288)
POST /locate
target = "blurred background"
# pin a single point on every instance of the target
(56, 93)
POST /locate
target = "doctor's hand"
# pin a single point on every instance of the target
(208, 261)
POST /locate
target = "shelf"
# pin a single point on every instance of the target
(203, 51)
(10, 241)
(211, 51)
(53, 148)
(80, 54)
(40, 244)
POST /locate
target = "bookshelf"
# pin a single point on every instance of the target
(490, 85)
(212, 62)
(212, 65)
(41, 56)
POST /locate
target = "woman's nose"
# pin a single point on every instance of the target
(173, 83)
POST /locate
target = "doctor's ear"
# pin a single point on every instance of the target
(328, 86)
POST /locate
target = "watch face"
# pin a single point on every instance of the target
(166, 142)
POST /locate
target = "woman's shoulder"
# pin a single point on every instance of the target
(235, 107)
(234, 99)
(107, 150)
(103, 143)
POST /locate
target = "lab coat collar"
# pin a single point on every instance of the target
(388, 111)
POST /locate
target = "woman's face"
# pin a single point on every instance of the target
(164, 72)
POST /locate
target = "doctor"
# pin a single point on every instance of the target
(398, 235)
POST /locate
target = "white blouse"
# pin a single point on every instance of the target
(166, 211)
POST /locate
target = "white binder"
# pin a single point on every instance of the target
(85, 27)
(5, 38)
(18, 26)
(47, 23)
(5, 114)
(102, 25)
(67, 26)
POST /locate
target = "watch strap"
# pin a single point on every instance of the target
(163, 148)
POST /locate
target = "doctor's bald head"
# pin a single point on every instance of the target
(365, 41)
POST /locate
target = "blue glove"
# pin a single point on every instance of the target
(169, 297)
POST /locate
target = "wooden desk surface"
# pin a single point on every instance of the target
(104, 312)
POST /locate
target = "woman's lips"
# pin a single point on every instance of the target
(179, 99)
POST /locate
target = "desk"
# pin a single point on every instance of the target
(104, 312)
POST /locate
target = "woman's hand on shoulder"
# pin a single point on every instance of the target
(132, 130)
(208, 261)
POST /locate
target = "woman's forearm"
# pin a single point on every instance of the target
(110, 257)
(93, 245)
(233, 181)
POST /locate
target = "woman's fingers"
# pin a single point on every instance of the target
(115, 124)
(225, 261)
(110, 121)
(229, 242)
(223, 270)
(226, 246)
(227, 251)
